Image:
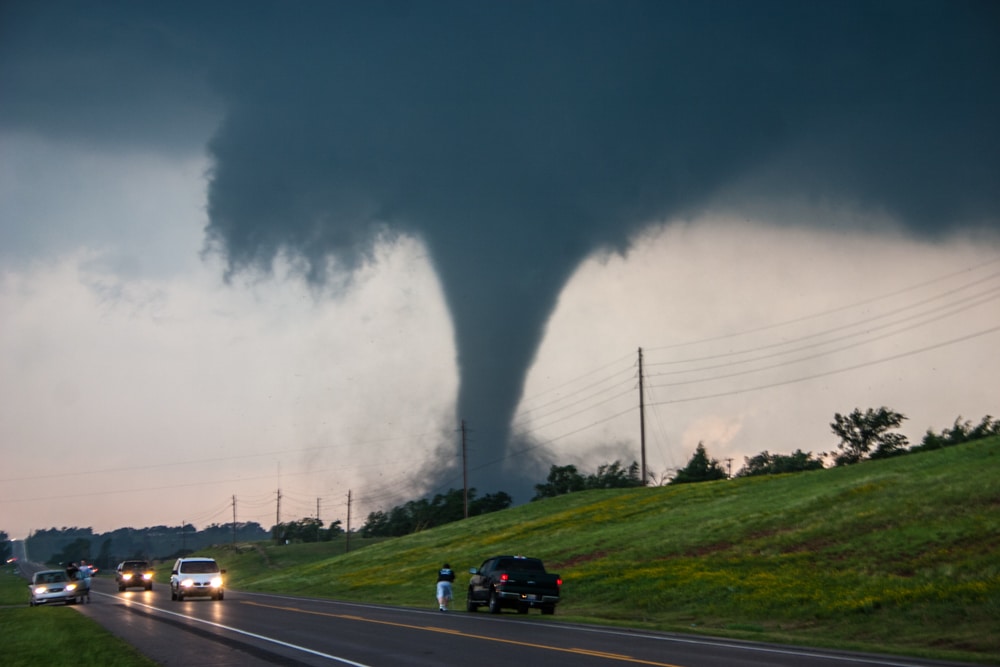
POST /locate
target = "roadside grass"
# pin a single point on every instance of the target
(57, 635)
(13, 587)
(896, 556)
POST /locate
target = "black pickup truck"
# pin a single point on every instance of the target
(513, 582)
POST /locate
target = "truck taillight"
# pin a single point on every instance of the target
(504, 577)
(559, 581)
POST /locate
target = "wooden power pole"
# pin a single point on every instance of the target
(642, 421)
(465, 474)
(347, 542)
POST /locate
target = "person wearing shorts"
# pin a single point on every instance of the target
(445, 576)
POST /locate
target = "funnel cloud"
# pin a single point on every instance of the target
(516, 139)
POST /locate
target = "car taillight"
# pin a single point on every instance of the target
(559, 581)
(504, 577)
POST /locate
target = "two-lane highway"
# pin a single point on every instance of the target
(260, 629)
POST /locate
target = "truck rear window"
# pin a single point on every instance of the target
(521, 564)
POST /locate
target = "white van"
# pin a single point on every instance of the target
(196, 576)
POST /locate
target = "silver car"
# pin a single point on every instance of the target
(50, 586)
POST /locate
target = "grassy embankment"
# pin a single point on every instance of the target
(55, 635)
(893, 556)
(898, 556)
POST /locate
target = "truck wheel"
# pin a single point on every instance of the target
(549, 609)
(470, 604)
(494, 603)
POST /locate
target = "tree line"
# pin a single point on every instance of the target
(106, 550)
(417, 515)
(867, 435)
(862, 435)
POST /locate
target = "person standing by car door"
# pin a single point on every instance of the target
(445, 576)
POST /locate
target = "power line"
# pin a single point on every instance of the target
(813, 356)
(845, 369)
(825, 313)
(976, 299)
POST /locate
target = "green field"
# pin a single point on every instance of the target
(898, 556)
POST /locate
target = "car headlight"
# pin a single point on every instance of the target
(126, 577)
(71, 587)
(187, 583)
(217, 582)
(147, 576)
(41, 590)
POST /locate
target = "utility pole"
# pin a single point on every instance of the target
(347, 543)
(642, 420)
(234, 520)
(317, 511)
(277, 511)
(465, 474)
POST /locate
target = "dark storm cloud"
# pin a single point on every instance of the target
(515, 138)
(108, 73)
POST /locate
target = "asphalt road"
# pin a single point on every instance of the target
(251, 629)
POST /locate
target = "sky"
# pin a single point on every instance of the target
(296, 248)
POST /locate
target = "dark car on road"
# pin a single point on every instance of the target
(134, 574)
(513, 582)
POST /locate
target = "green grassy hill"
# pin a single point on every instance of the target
(901, 555)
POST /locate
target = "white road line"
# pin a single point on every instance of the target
(237, 631)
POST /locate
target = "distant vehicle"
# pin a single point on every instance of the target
(49, 586)
(134, 574)
(196, 576)
(513, 582)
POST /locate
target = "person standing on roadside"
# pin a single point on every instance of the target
(445, 576)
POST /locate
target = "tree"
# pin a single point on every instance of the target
(699, 469)
(104, 559)
(959, 432)
(74, 552)
(866, 435)
(775, 464)
(561, 480)
(491, 502)
(614, 476)
(333, 530)
(4, 546)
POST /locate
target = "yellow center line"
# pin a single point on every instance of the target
(459, 633)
